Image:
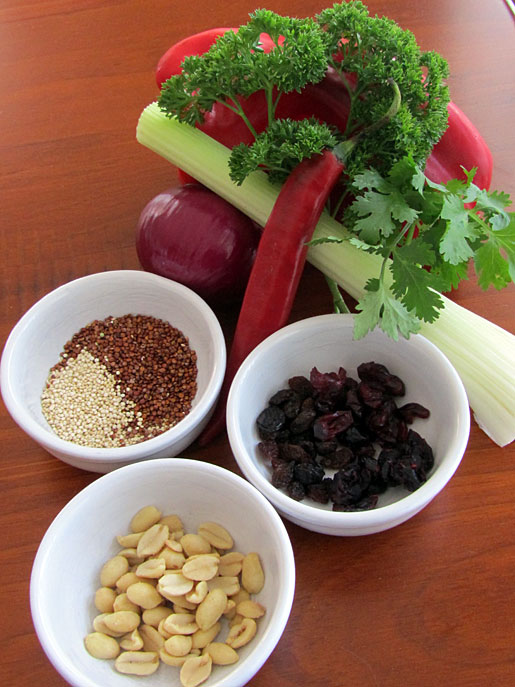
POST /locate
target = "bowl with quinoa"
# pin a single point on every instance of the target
(345, 436)
(114, 367)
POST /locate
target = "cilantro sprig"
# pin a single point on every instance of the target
(426, 235)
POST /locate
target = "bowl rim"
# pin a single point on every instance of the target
(95, 455)
(354, 520)
(54, 651)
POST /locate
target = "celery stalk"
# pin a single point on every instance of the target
(482, 353)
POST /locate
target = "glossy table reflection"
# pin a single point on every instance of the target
(430, 602)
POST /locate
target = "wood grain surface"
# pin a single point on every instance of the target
(428, 603)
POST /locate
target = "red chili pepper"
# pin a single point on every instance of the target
(461, 146)
(278, 266)
(197, 44)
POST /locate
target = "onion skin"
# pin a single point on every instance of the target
(191, 235)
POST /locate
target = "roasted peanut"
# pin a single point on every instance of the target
(144, 594)
(132, 556)
(152, 540)
(180, 624)
(104, 599)
(174, 560)
(174, 545)
(174, 584)
(230, 585)
(201, 567)
(221, 654)
(195, 544)
(210, 610)
(151, 568)
(230, 564)
(152, 640)
(173, 522)
(100, 645)
(198, 593)
(216, 535)
(132, 641)
(145, 518)
(137, 662)
(241, 634)
(202, 638)
(170, 660)
(129, 541)
(196, 670)
(250, 609)
(122, 621)
(112, 570)
(153, 616)
(123, 603)
(178, 645)
(99, 625)
(252, 576)
(125, 581)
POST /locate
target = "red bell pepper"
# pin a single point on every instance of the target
(278, 265)
(460, 146)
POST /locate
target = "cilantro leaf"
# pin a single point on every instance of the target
(491, 266)
(378, 307)
(413, 284)
(455, 245)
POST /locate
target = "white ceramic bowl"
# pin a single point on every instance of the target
(327, 343)
(82, 537)
(36, 341)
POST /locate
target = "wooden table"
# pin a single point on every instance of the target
(428, 603)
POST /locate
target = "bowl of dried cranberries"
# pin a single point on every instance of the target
(347, 437)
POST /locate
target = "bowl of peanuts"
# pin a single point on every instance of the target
(347, 437)
(179, 572)
(113, 368)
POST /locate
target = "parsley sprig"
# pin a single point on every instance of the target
(426, 234)
(368, 53)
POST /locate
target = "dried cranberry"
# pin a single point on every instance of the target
(328, 426)
(281, 397)
(367, 503)
(409, 411)
(301, 385)
(375, 374)
(418, 443)
(296, 490)
(309, 473)
(282, 474)
(293, 452)
(354, 436)
(350, 484)
(307, 445)
(325, 447)
(269, 449)
(353, 403)
(337, 459)
(384, 423)
(371, 395)
(303, 421)
(292, 407)
(328, 384)
(319, 492)
(270, 420)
